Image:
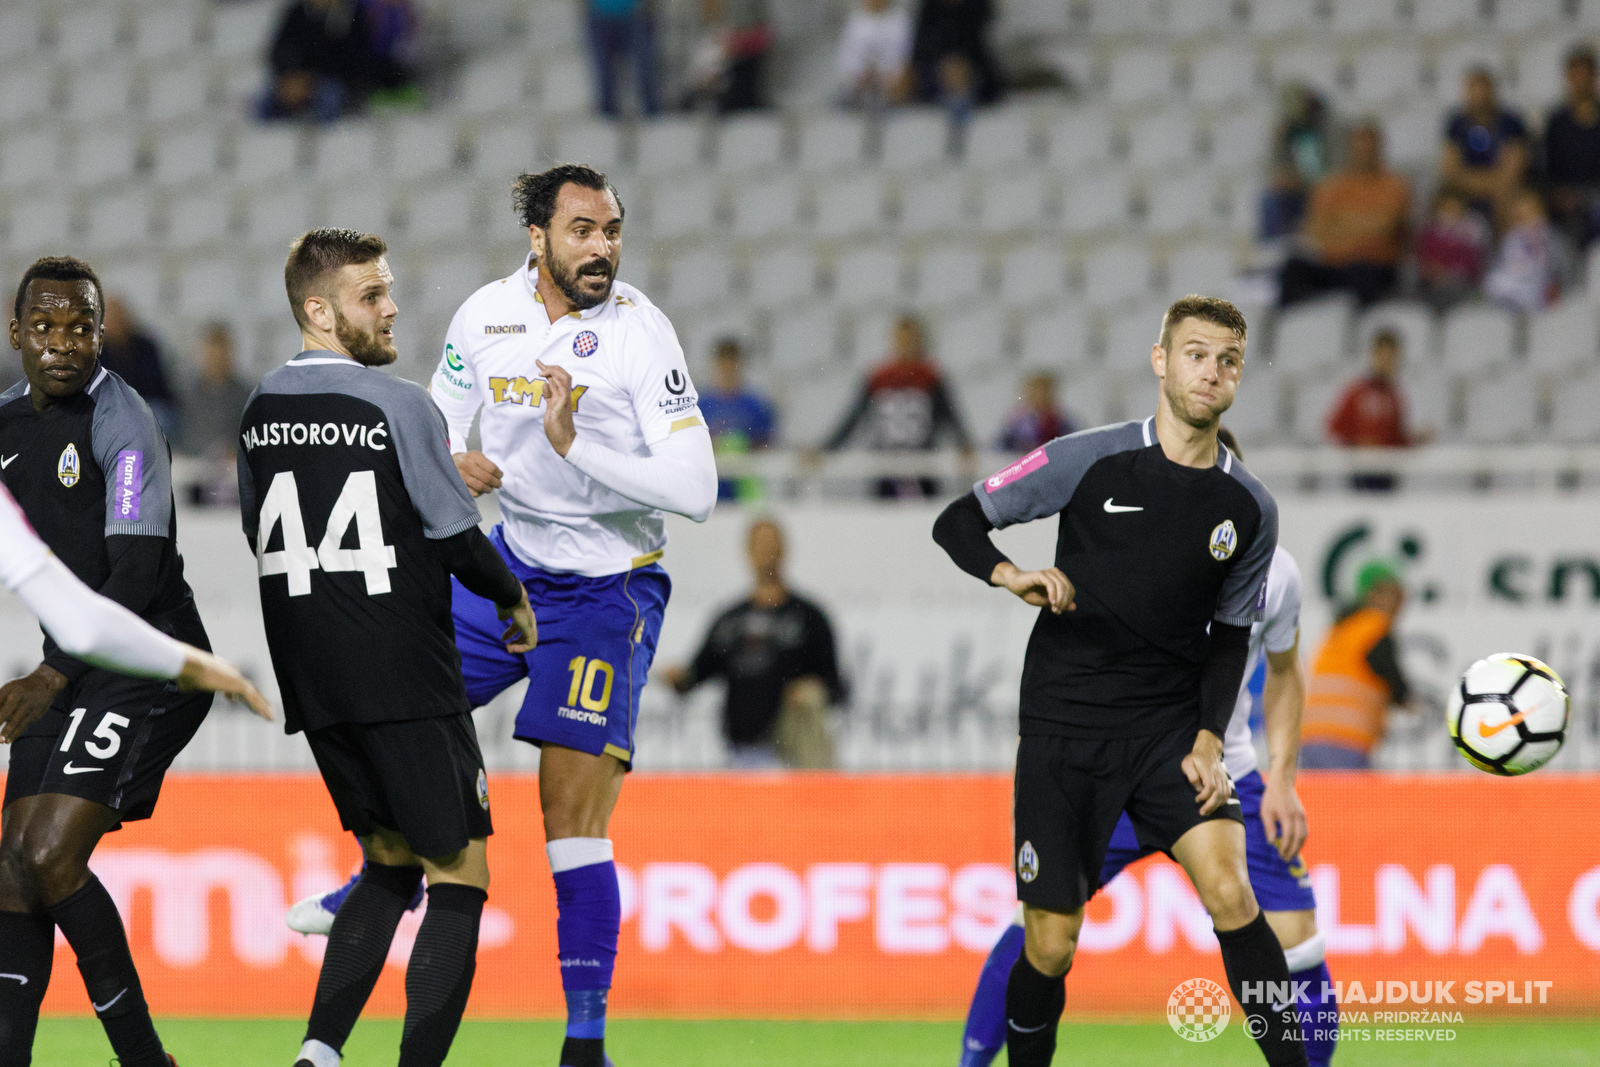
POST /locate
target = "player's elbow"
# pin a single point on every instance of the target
(704, 501)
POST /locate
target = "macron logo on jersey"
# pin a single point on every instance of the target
(514, 328)
(1022, 467)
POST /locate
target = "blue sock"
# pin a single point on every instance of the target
(985, 1035)
(1321, 1033)
(589, 914)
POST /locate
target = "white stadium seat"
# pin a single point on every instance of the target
(1000, 139)
(1130, 332)
(1575, 411)
(166, 31)
(1018, 200)
(1109, 18)
(1412, 136)
(1527, 15)
(805, 338)
(915, 139)
(1199, 268)
(1055, 337)
(89, 30)
(1412, 320)
(1162, 140)
(851, 206)
(1241, 138)
(567, 86)
(1116, 273)
(194, 221)
(262, 153)
(443, 282)
(1386, 73)
(750, 142)
(1562, 338)
(1273, 17)
(1223, 74)
(766, 206)
(119, 221)
(1192, 17)
(355, 206)
(1502, 410)
(1140, 75)
(1093, 204)
(1080, 139)
(1093, 397)
(276, 215)
(100, 91)
(447, 211)
(938, 201)
(242, 29)
(208, 287)
(701, 277)
(1363, 16)
(950, 274)
(666, 145)
(555, 26)
(1451, 66)
(503, 150)
(1312, 335)
(1431, 399)
(31, 156)
(1178, 204)
(24, 90)
(871, 334)
(422, 147)
(347, 150)
(823, 400)
(782, 277)
(493, 82)
(19, 29)
(680, 208)
(1434, 16)
(969, 336)
(1314, 65)
(596, 142)
(1033, 273)
(830, 142)
(1256, 416)
(868, 273)
(985, 402)
(104, 154)
(175, 90)
(1477, 338)
(187, 153)
(41, 223)
(1313, 397)
(1034, 17)
(700, 334)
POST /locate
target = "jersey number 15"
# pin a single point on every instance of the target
(358, 502)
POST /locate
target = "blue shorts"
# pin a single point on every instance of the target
(1278, 885)
(597, 637)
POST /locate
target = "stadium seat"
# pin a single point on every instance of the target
(34, 155)
(1386, 73)
(422, 146)
(197, 221)
(90, 30)
(1080, 139)
(567, 86)
(1526, 15)
(119, 221)
(1055, 338)
(555, 26)
(805, 338)
(1029, 18)
(165, 31)
(1575, 411)
(354, 206)
(242, 29)
(1256, 417)
(1129, 333)
(596, 142)
(1018, 200)
(750, 142)
(1437, 16)
(24, 90)
(1316, 65)
(492, 83)
(1279, 17)
(505, 149)
(1223, 74)
(105, 154)
(1562, 339)
(985, 402)
(19, 30)
(699, 335)
(262, 153)
(969, 337)
(1312, 335)
(476, 25)
(188, 153)
(1092, 396)
(1033, 273)
(41, 224)
(824, 397)
(1199, 268)
(851, 206)
(701, 277)
(1000, 139)
(1432, 399)
(208, 287)
(782, 277)
(685, 207)
(767, 206)
(347, 150)
(1116, 273)
(1477, 338)
(1140, 75)
(1178, 204)
(1412, 136)
(1502, 409)
(1311, 400)
(1194, 17)
(1162, 140)
(830, 142)
(447, 211)
(445, 281)
(1241, 138)
(1363, 16)
(868, 273)
(275, 215)
(100, 91)
(1110, 18)
(953, 274)
(915, 139)
(1541, 72)
(133, 279)
(1093, 204)
(871, 334)
(176, 90)
(667, 145)
(1412, 320)
(937, 201)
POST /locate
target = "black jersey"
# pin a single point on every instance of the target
(345, 482)
(1155, 551)
(89, 472)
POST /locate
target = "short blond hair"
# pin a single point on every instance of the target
(1212, 309)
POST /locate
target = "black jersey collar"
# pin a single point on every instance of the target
(1224, 457)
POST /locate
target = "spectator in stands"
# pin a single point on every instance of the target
(624, 31)
(950, 59)
(321, 64)
(1355, 677)
(740, 419)
(1300, 155)
(1572, 153)
(905, 405)
(1533, 260)
(135, 356)
(875, 56)
(212, 408)
(776, 650)
(1371, 412)
(728, 68)
(394, 36)
(1452, 250)
(1355, 228)
(1485, 148)
(1037, 419)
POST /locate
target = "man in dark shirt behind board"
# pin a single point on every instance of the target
(358, 519)
(776, 650)
(1133, 667)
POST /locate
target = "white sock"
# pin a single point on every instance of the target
(319, 1054)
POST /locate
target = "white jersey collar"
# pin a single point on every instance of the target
(317, 357)
(530, 278)
(1224, 457)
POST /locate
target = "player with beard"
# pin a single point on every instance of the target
(358, 624)
(1133, 669)
(591, 429)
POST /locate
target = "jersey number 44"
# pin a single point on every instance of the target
(357, 503)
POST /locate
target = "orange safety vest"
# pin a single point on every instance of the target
(1346, 701)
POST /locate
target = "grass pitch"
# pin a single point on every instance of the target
(71, 1042)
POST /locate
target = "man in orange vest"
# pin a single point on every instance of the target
(1355, 677)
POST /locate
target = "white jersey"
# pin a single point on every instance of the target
(631, 391)
(1276, 625)
(22, 554)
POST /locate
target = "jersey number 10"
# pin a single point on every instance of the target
(357, 502)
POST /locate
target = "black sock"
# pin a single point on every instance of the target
(583, 1052)
(357, 946)
(27, 950)
(1033, 1011)
(1259, 976)
(93, 928)
(439, 976)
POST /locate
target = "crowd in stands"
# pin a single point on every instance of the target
(331, 58)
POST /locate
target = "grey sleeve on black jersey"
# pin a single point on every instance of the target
(422, 444)
(248, 512)
(131, 452)
(1042, 482)
(1243, 589)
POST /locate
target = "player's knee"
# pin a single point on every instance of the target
(46, 871)
(1051, 943)
(1230, 901)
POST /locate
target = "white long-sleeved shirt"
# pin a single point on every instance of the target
(1276, 628)
(83, 623)
(642, 446)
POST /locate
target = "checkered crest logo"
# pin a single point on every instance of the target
(585, 344)
(1198, 1010)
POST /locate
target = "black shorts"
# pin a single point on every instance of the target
(1069, 794)
(423, 779)
(110, 739)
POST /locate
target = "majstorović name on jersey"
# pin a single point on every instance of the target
(326, 433)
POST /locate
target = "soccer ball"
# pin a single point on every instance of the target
(1509, 714)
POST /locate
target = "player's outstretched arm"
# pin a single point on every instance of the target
(1283, 703)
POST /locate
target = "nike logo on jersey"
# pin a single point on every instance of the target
(107, 1004)
(1117, 509)
(70, 769)
(4, 463)
(1025, 1029)
(1485, 730)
